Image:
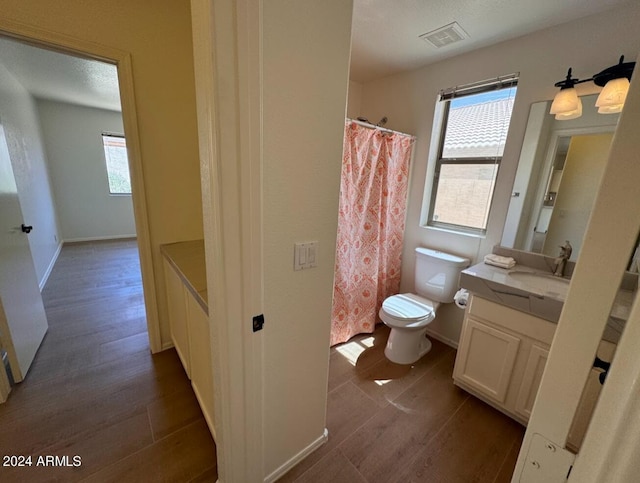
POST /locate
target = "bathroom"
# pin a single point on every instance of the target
(543, 68)
(397, 96)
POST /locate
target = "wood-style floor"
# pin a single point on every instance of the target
(96, 391)
(391, 423)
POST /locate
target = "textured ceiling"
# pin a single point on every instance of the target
(385, 33)
(50, 75)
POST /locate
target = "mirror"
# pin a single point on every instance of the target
(559, 172)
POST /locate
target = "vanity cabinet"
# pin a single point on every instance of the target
(501, 356)
(185, 283)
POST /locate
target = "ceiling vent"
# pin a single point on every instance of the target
(445, 35)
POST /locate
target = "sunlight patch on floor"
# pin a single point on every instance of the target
(382, 382)
(351, 351)
(369, 342)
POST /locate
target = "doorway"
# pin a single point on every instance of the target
(102, 398)
(57, 109)
(117, 64)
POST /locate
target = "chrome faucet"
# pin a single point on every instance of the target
(561, 260)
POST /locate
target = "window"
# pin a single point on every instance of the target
(115, 153)
(474, 129)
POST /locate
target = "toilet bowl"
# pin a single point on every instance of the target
(408, 315)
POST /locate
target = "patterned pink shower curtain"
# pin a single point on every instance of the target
(373, 199)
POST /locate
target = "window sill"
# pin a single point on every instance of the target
(454, 232)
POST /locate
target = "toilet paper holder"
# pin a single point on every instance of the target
(461, 298)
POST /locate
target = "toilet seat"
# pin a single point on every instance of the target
(408, 311)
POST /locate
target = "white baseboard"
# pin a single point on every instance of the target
(98, 238)
(167, 345)
(53, 261)
(279, 472)
(444, 340)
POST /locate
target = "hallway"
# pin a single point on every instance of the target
(95, 390)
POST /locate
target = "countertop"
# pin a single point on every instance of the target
(188, 259)
(496, 284)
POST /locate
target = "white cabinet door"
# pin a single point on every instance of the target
(24, 323)
(178, 324)
(531, 380)
(201, 368)
(486, 359)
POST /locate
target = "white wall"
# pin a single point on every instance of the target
(19, 118)
(73, 142)
(302, 153)
(354, 100)
(408, 100)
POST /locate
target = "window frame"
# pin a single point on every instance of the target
(446, 97)
(104, 135)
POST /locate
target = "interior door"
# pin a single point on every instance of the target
(24, 323)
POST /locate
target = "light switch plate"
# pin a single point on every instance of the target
(305, 255)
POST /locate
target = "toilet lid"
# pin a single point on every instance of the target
(406, 307)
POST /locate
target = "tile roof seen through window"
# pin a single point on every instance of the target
(477, 130)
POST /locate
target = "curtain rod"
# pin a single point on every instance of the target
(380, 128)
(113, 134)
(475, 87)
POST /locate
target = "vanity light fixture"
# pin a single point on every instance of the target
(615, 80)
(567, 105)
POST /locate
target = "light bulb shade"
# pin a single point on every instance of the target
(612, 97)
(566, 101)
(610, 109)
(565, 116)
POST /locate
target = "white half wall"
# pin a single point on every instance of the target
(588, 45)
(73, 142)
(19, 117)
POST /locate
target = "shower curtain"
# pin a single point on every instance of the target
(373, 199)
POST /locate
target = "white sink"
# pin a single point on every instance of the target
(542, 283)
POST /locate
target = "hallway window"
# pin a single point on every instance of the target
(474, 129)
(115, 153)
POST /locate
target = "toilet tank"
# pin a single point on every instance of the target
(437, 274)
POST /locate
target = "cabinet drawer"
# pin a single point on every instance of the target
(512, 320)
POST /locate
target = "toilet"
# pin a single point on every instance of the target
(408, 315)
